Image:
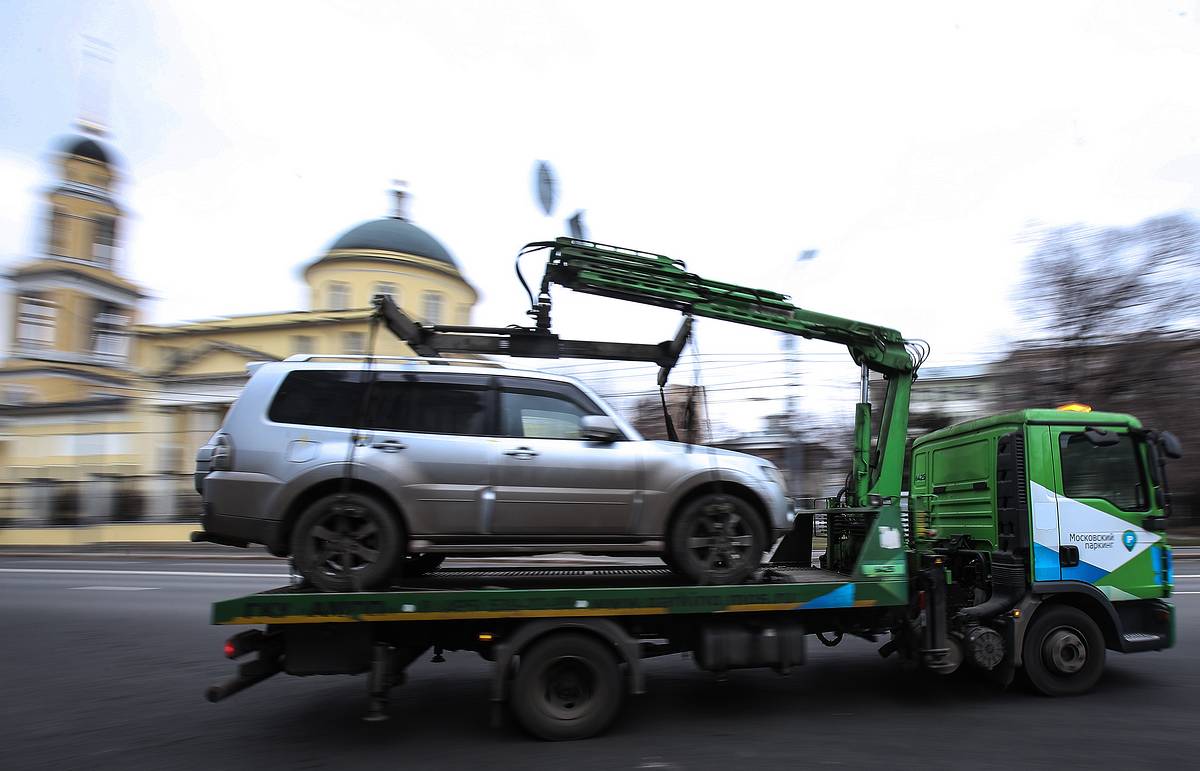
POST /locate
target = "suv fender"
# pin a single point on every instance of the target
(319, 481)
(714, 480)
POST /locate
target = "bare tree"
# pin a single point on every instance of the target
(1087, 289)
(1113, 317)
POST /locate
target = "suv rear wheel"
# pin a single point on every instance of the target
(716, 539)
(347, 542)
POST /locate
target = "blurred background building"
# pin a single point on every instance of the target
(100, 415)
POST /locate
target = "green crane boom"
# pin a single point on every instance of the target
(654, 279)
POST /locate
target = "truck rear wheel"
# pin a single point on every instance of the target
(568, 686)
(347, 542)
(1064, 651)
(716, 539)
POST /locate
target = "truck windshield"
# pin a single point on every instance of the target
(1112, 473)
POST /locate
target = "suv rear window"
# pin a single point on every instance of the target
(398, 402)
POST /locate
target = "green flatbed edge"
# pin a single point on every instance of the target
(288, 607)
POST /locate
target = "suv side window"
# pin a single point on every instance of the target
(1109, 473)
(442, 406)
(543, 410)
(399, 402)
(318, 398)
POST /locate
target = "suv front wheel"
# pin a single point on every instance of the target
(716, 539)
(347, 542)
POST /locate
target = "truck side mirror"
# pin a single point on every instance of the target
(599, 428)
(1170, 445)
(1102, 438)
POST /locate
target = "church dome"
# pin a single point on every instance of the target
(87, 147)
(393, 234)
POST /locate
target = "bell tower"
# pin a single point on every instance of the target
(71, 304)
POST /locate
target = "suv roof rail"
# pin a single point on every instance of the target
(418, 359)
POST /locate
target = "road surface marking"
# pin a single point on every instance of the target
(1175, 593)
(1196, 576)
(272, 576)
(115, 588)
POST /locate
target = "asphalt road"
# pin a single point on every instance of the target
(105, 662)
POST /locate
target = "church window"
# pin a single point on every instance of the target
(339, 295)
(432, 308)
(104, 242)
(110, 336)
(386, 288)
(353, 342)
(302, 344)
(35, 322)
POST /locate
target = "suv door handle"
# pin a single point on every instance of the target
(389, 445)
(521, 452)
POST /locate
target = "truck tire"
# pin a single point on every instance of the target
(1064, 651)
(347, 542)
(413, 565)
(716, 539)
(568, 686)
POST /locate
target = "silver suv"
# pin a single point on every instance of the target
(467, 460)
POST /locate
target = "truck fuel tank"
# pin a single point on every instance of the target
(737, 646)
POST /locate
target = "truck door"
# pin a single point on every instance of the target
(549, 481)
(1103, 497)
(1043, 503)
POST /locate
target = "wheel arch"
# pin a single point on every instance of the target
(280, 543)
(605, 630)
(1086, 598)
(726, 487)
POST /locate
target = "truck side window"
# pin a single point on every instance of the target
(1110, 473)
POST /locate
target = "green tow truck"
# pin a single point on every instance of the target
(1032, 542)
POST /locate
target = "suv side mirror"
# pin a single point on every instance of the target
(599, 428)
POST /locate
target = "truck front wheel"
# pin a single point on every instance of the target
(1064, 651)
(568, 686)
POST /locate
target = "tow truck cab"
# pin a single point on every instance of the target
(1077, 499)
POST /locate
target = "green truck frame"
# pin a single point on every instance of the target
(1032, 542)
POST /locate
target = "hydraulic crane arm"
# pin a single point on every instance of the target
(654, 279)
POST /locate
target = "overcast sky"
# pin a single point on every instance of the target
(913, 144)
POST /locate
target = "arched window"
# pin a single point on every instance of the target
(104, 241)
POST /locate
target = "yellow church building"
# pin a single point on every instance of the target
(100, 415)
